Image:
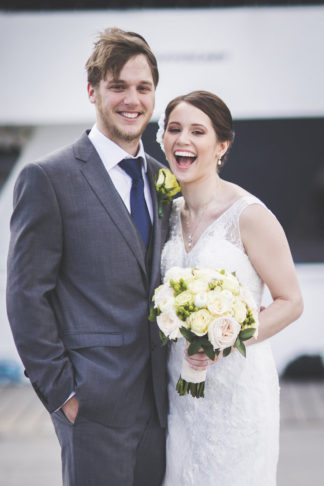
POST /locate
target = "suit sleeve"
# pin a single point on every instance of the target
(34, 258)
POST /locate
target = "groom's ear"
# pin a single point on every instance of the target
(91, 93)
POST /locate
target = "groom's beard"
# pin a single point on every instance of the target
(117, 134)
(114, 128)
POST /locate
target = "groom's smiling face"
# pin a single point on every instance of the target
(124, 106)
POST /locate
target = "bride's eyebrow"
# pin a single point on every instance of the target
(197, 125)
(192, 125)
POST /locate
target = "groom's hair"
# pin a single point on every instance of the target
(111, 52)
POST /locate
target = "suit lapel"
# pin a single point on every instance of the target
(160, 230)
(101, 184)
(160, 227)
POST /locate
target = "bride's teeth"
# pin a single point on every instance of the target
(181, 153)
(129, 115)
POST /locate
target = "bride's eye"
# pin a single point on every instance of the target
(173, 130)
(197, 132)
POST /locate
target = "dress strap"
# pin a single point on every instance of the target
(246, 201)
(233, 219)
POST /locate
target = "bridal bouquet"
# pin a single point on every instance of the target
(211, 310)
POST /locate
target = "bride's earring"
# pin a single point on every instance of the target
(219, 162)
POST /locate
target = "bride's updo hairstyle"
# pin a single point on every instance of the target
(216, 110)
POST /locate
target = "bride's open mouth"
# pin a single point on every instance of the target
(184, 159)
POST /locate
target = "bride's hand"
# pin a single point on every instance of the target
(200, 361)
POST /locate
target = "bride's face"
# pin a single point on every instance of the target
(190, 143)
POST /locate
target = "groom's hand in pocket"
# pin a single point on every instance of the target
(70, 409)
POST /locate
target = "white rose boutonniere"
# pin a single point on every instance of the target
(166, 187)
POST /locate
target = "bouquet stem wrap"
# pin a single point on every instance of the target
(191, 381)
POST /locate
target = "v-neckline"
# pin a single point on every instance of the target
(207, 227)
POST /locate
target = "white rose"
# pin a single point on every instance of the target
(208, 274)
(217, 304)
(220, 276)
(231, 283)
(239, 310)
(163, 297)
(246, 295)
(199, 321)
(226, 294)
(169, 323)
(222, 332)
(197, 286)
(201, 299)
(204, 273)
(185, 298)
(176, 273)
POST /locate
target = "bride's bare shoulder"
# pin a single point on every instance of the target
(236, 191)
(258, 220)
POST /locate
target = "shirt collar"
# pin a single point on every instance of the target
(111, 153)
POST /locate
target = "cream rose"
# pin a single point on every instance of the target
(222, 332)
(231, 283)
(226, 294)
(164, 297)
(239, 310)
(199, 322)
(201, 299)
(217, 303)
(176, 273)
(208, 274)
(169, 323)
(246, 295)
(197, 286)
(185, 298)
(204, 273)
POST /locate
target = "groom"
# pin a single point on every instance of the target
(83, 262)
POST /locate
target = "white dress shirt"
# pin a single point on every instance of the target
(111, 154)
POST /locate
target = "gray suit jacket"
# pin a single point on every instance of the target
(78, 290)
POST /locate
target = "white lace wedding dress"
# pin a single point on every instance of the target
(230, 437)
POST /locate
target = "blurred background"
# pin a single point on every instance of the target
(265, 60)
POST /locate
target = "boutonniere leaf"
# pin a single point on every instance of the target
(166, 187)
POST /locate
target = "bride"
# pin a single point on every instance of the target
(230, 437)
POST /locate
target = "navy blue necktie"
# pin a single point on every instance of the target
(139, 211)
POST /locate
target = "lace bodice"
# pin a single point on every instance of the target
(230, 437)
(219, 245)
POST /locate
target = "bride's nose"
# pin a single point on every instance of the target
(183, 138)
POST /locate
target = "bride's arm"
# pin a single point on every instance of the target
(266, 245)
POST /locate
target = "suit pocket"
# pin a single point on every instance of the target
(94, 339)
(60, 415)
